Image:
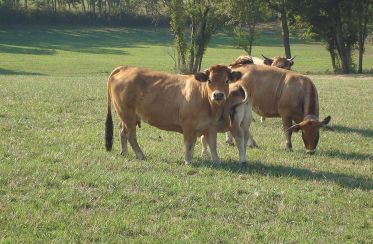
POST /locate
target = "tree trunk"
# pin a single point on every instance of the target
(201, 41)
(344, 49)
(285, 32)
(26, 4)
(363, 19)
(192, 44)
(83, 5)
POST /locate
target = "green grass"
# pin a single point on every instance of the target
(58, 184)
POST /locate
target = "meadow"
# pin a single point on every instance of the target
(58, 184)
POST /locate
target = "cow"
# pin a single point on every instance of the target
(188, 104)
(275, 92)
(237, 112)
(279, 62)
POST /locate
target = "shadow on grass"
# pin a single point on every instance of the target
(47, 40)
(21, 50)
(257, 167)
(14, 72)
(344, 129)
(347, 156)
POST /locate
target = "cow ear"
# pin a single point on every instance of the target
(268, 61)
(202, 77)
(326, 121)
(235, 76)
(294, 128)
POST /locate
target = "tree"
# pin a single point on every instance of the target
(334, 23)
(244, 16)
(203, 18)
(282, 8)
(364, 14)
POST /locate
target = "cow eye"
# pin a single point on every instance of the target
(227, 81)
(209, 81)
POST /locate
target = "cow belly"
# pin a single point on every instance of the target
(265, 111)
(160, 121)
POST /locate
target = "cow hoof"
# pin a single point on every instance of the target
(205, 154)
(124, 153)
(230, 143)
(254, 145)
(243, 163)
(140, 157)
(288, 149)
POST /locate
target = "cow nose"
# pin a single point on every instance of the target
(310, 151)
(218, 96)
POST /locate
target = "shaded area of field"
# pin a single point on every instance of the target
(99, 49)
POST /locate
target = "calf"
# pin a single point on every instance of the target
(188, 104)
(237, 119)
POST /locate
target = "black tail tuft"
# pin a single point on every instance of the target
(109, 132)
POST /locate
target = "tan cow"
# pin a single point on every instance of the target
(188, 104)
(279, 62)
(275, 92)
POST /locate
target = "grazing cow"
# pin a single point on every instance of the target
(275, 92)
(188, 104)
(279, 62)
(237, 112)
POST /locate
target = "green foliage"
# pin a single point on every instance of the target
(336, 23)
(58, 184)
(244, 15)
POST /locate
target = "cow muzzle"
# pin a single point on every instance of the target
(310, 151)
(218, 96)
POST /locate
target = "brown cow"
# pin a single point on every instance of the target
(275, 92)
(279, 62)
(188, 104)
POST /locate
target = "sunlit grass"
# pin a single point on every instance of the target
(58, 184)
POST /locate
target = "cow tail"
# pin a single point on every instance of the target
(109, 126)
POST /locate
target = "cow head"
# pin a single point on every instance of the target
(310, 132)
(279, 62)
(218, 78)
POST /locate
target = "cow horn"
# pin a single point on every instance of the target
(246, 95)
(295, 128)
(266, 57)
(292, 59)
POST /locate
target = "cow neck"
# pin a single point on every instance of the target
(311, 106)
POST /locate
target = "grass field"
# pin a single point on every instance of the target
(58, 184)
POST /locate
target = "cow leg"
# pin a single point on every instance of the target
(129, 122)
(238, 135)
(229, 138)
(262, 119)
(123, 140)
(205, 152)
(249, 139)
(189, 142)
(211, 140)
(287, 122)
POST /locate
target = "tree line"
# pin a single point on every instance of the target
(342, 25)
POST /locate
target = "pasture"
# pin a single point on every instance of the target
(58, 184)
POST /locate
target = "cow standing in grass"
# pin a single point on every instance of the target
(275, 92)
(188, 104)
(279, 62)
